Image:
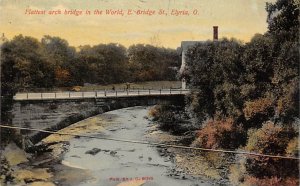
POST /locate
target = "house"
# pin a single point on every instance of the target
(185, 45)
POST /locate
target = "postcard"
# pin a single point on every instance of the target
(140, 92)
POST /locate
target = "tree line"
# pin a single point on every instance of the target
(52, 62)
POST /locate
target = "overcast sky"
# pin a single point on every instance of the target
(236, 18)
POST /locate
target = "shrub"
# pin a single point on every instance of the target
(262, 106)
(293, 147)
(274, 140)
(267, 139)
(220, 134)
(171, 118)
(154, 112)
(274, 181)
(288, 104)
(237, 173)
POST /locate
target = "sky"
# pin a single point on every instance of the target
(240, 19)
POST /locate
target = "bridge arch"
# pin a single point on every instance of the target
(55, 114)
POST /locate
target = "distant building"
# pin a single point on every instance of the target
(185, 45)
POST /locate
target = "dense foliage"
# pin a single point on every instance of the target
(219, 134)
(148, 63)
(51, 62)
(248, 95)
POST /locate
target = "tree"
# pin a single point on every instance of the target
(149, 63)
(214, 70)
(270, 139)
(60, 55)
(103, 63)
(25, 65)
(58, 50)
(283, 19)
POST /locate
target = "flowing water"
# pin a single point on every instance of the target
(118, 161)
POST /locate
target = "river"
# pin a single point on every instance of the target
(117, 163)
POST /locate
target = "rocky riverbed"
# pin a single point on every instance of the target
(211, 167)
(90, 161)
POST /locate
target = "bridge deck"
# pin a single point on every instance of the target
(97, 94)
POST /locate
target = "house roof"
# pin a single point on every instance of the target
(185, 45)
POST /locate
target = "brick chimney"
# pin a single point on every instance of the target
(216, 37)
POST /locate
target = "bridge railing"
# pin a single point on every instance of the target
(97, 94)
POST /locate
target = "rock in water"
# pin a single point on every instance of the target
(94, 151)
(113, 153)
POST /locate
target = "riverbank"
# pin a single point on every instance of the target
(212, 167)
(45, 167)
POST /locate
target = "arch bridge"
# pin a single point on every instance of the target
(56, 110)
